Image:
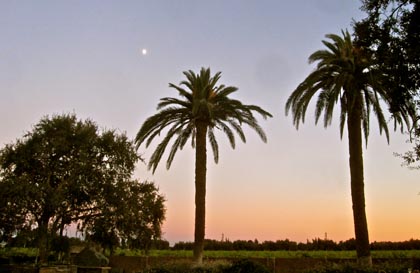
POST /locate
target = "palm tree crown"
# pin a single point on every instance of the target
(344, 73)
(201, 101)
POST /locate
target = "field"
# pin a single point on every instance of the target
(219, 254)
(242, 254)
(275, 261)
(18, 251)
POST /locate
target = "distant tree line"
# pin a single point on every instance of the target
(62, 244)
(29, 240)
(314, 244)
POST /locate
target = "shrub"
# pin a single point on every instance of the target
(354, 268)
(90, 257)
(241, 266)
(185, 267)
(246, 266)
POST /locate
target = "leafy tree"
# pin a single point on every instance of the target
(346, 74)
(391, 31)
(412, 158)
(137, 221)
(66, 171)
(204, 107)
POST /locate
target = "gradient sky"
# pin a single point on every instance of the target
(85, 57)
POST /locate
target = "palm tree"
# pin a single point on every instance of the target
(345, 74)
(203, 108)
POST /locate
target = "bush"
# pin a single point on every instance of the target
(246, 266)
(90, 257)
(354, 268)
(241, 266)
(185, 268)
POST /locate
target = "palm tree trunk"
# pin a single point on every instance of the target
(354, 127)
(200, 191)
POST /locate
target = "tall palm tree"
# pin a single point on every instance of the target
(203, 107)
(345, 74)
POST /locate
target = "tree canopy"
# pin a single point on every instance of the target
(67, 171)
(411, 158)
(391, 31)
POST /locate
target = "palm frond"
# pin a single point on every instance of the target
(178, 144)
(226, 91)
(253, 124)
(181, 91)
(168, 102)
(238, 129)
(214, 145)
(228, 132)
(343, 115)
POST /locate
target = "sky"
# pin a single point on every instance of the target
(86, 57)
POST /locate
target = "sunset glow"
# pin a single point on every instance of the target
(83, 57)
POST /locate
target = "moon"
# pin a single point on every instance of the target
(144, 51)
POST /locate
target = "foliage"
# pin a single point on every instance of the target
(246, 266)
(345, 74)
(66, 171)
(26, 238)
(411, 159)
(136, 222)
(60, 245)
(18, 251)
(391, 31)
(240, 266)
(315, 244)
(188, 267)
(243, 254)
(310, 245)
(400, 267)
(295, 254)
(202, 101)
(90, 257)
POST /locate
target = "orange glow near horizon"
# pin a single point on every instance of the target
(236, 225)
(297, 216)
(84, 58)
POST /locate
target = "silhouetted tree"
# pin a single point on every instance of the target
(346, 74)
(391, 31)
(204, 107)
(310, 245)
(66, 171)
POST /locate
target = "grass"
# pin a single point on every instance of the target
(18, 251)
(243, 254)
(240, 254)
